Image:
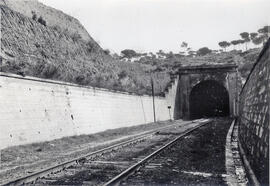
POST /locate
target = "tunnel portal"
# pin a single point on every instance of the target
(209, 99)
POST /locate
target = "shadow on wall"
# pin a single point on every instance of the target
(176, 113)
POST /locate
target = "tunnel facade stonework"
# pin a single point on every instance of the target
(218, 81)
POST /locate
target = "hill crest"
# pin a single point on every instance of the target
(52, 16)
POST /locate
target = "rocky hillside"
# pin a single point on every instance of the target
(52, 16)
(32, 48)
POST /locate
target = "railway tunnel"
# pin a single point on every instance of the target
(204, 91)
(209, 99)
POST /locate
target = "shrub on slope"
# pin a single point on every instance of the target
(50, 52)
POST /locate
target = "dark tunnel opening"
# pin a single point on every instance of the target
(209, 99)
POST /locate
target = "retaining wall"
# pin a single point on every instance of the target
(35, 110)
(254, 116)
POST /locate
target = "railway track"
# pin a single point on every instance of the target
(198, 159)
(41, 176)
(135, 167)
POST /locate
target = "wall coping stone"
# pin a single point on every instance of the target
(30, 78)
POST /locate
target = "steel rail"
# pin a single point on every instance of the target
(57, 168)
(129, 171)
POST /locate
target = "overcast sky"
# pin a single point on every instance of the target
(150, 25)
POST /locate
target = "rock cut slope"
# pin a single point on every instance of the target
(35, 46)
(52, 16)
(55, 52)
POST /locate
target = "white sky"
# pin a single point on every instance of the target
(150, 25)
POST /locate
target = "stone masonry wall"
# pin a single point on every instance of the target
(35, 110)
(254, 117)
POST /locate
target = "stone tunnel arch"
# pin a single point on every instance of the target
(209, 99)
